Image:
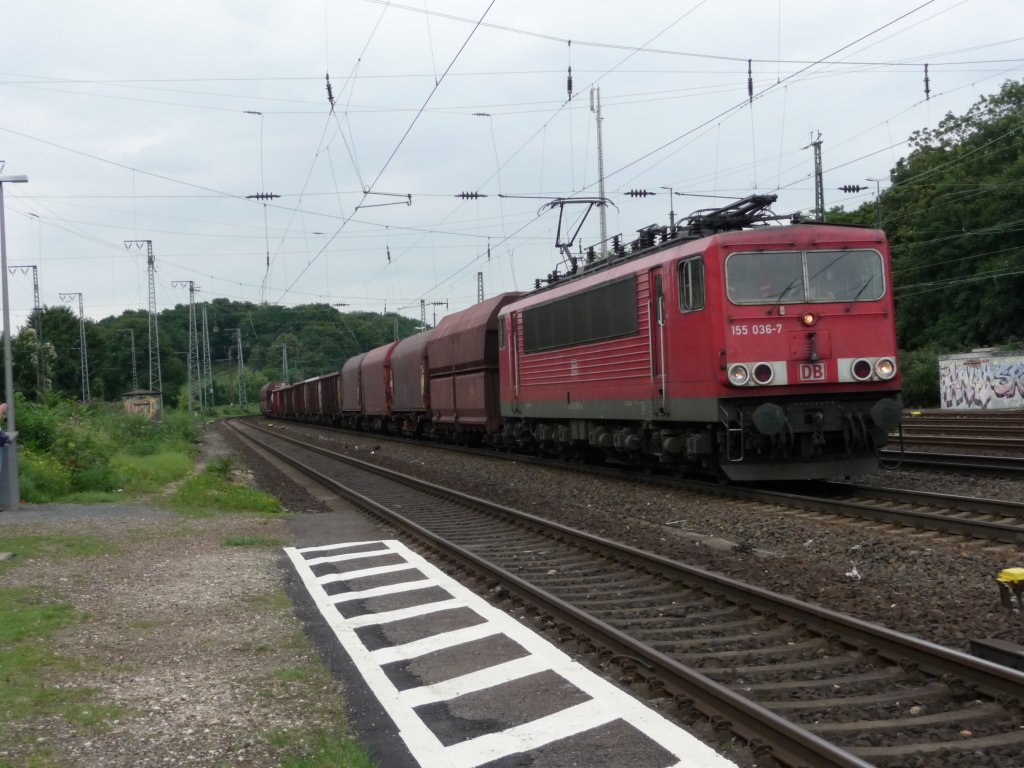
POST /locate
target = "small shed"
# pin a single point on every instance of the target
(144, 401)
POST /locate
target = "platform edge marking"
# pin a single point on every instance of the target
(438, 642)
(424, 746)
(481, 680)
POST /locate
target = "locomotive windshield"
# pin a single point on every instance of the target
(787, 277)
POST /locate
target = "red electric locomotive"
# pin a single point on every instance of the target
(760, 354)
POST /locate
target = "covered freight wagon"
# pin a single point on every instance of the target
(462, 359)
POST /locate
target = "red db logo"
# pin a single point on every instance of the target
(811, 372)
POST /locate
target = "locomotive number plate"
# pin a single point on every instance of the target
(757, 329)
(811, 372)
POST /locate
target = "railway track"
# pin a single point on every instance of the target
(956, 462)
(975, 518)
(809, 684)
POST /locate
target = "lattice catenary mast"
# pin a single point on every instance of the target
(38, 318)
(207, 368)
(195, 396)
(84, 351)
(155, 379)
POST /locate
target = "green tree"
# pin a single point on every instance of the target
(954, 219)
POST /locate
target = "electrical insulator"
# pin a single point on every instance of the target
(470, 195)
(640, 193)
(851, 188)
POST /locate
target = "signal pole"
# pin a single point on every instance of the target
(84, 356)
(435, 305)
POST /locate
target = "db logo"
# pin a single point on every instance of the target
(811, 372)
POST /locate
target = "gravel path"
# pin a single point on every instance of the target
(189, 645)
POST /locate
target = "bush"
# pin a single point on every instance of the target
(71, 449)
(920, 378)
(38, 425)
(86, 453)
(42, 477)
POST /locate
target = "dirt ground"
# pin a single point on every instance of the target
(185, 647)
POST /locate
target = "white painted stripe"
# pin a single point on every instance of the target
(363, 573)
(349, 556)
(342, 545)
(370, 619)
(390, 589)
(474, 681)
(421, 741)
(433, 643)
(537, 733)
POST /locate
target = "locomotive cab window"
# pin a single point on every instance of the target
(787, 277)
(850, 275)
(691, 284)
(501, 332)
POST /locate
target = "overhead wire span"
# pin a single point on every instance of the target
(401, 141)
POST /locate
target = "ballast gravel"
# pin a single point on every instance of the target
(194, 645)
(937, 587)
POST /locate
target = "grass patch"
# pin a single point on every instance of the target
(252, 541)
(319, 749)
(55, 545)
(212, 491)
(151, 472)
(293, 674)
(27, 622)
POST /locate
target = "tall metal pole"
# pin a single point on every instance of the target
(83, 349)
(135, 370)
(878, 200)
(207, 368)
(37, 322)
(241, 367)
(12, 498)
(595, 107)
(194, 383)
(155, 379)
(819, 184)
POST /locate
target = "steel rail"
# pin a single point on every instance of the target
(750, 720)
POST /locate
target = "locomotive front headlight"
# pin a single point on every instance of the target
(885, 368)
(738, 374)
(763, 373)
(861, 369)
(808, 319)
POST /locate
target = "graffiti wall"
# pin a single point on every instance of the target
(981, 381)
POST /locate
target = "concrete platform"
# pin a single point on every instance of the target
(464, 684)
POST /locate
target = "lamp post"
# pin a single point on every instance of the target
(9, 491)
(878, 200)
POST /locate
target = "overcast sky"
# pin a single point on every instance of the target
(136, 120)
